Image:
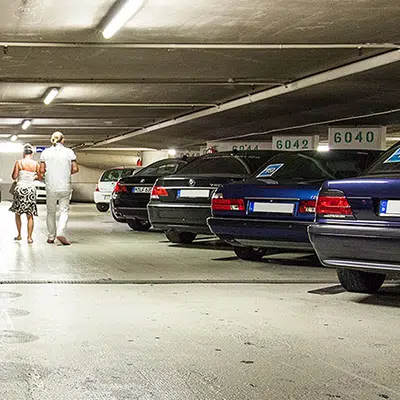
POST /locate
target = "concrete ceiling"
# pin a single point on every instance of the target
(110, 89)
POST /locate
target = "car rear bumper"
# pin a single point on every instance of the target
(364, 247)
(101, 197)
(182, 218)
(261, 233)
(132, 212)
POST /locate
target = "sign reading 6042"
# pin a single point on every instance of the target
(293, 143)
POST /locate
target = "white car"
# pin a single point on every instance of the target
(105, 186)
(40, 191)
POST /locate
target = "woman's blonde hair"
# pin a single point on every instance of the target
(56, 137)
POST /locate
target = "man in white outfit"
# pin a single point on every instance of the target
(57, 164)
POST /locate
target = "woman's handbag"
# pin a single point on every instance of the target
(12, 188)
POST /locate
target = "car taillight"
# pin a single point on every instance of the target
(218, 203)
(333, 203)
(118, 188)
(307, 206)
(158, 191)
(97, 188)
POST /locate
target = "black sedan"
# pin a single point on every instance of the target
(132, 193)
(181, 204)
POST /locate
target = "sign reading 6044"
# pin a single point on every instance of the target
(357, 138)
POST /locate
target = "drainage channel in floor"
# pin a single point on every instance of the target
(162, 281)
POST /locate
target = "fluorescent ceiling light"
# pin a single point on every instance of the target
(14, 138)
(323, 147)
(11, 148)
(121, 17)
(26, 124)
(51, 95)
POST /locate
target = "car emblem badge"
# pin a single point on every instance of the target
(192, 182)
(142, 180)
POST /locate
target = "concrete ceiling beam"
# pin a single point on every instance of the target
(319, 78)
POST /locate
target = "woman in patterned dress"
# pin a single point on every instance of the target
(25, 172)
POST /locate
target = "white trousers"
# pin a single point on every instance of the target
(63, 198)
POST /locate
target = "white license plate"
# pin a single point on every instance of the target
(194, 193)
(390, 208)
(142, 189)
(277, 208)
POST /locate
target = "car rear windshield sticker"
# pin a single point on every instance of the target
(394, 158)
(270, 170)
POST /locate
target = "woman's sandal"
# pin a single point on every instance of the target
(18, 238)
(30, 241)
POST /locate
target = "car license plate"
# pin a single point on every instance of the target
(276, 208)
(142, 189)
(193, 193)
(107, 198)
(390, 208)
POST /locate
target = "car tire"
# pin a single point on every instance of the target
(116, 216)
(102, 207)
(360, 281)
(180, 237)
(138, 224)
(250, 253)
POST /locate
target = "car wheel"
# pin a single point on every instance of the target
(360, 281)
(249, 253)
(138, 224)
(117, 217)
(180, 237)
(102, 207)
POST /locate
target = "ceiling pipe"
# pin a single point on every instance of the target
(146, 105)
(191, 82)
(215, 46)
(322, 77)
(71, 127)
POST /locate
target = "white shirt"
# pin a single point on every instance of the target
(58, 161)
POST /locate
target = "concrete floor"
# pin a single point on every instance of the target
(92, 334)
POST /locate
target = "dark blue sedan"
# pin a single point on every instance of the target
(273, 208)
(357, 228)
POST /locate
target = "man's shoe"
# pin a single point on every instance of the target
(63, 240)
(50, 241)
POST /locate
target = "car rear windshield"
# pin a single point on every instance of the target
(161, 168)
(112, 175)
(315, 166)
(226, 164)
(388, 163)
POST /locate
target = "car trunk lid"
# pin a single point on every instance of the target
(275, 201)
(371, 199)
(194, 188)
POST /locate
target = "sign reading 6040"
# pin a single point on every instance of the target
(362, 138)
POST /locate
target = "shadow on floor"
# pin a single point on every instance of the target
(388, 296)
(208, 243)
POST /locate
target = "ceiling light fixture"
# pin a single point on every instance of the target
(26, 124)
(14, 138)
(121, 16)
(51, 95)
(323, 147)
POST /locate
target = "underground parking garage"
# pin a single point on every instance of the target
(230, 177)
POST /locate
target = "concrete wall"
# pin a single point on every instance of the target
(92, 164)
(7, 162)
(83, 184)
(152, 156)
